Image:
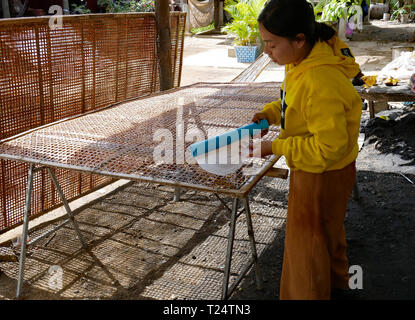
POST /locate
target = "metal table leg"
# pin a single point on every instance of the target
(254, 261)
(229, 250)
(25, 229)
(67, 208)
(253, 245)
(22, 259)
(177, 193)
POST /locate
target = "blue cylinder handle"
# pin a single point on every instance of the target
(227, 138)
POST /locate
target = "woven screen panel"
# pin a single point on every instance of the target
(49, 74)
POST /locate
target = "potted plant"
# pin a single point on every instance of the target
(337, 13)
(114, 6)
(401, 13)
(244, 26)
(334, 10)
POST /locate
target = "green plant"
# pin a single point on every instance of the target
(318, 8)
(397, 11)
(244, 24)
(336, 9)
(142, 6)
(412, 11)
(203, 29)
(80, 9)
(112, 6)
(115, 6)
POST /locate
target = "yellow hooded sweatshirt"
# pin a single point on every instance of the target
(321, 115)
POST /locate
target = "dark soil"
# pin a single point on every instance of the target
(395, 134)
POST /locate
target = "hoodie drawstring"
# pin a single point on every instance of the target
(283, 94)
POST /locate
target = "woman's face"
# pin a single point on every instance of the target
(283, 50)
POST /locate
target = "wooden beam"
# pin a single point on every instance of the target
(164, 44)
(277, 173)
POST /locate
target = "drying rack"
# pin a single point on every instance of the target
(123, 141)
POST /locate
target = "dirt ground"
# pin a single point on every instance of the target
(143, 245)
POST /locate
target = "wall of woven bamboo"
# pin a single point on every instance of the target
(49, 74)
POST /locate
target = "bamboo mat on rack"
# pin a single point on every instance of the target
(121, 140)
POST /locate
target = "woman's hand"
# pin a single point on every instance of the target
(260, 148)
(257, 118)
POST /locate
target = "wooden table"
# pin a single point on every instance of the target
(399, 93)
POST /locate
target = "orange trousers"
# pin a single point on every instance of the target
(315, 259)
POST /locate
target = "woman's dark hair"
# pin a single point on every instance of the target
(288, 18)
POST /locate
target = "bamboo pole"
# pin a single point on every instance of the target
(164, 44)
(4, 194)
(117, 66)
(83, 68)
(40, 80)
(182, 49)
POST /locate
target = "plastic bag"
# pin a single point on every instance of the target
(401, 68)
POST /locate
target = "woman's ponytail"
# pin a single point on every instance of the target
(323, 32)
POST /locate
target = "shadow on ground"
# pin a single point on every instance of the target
(144, 246)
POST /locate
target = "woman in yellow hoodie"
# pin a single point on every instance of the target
(319, 114)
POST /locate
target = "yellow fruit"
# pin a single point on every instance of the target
(369, 81)
(391, 81)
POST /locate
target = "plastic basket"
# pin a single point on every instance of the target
(246, 53)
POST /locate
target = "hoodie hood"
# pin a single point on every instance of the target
(331, 52)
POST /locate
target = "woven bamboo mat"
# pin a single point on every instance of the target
(48, 74)
(122, 140)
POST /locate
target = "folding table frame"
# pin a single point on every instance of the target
(235, 213)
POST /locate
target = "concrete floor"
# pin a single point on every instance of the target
(206, 57)
(206, 60)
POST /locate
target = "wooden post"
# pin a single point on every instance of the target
(216, 4)
(66, 8)
(92, 5)
(371, 109)
(164, 44)
(6, 10)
